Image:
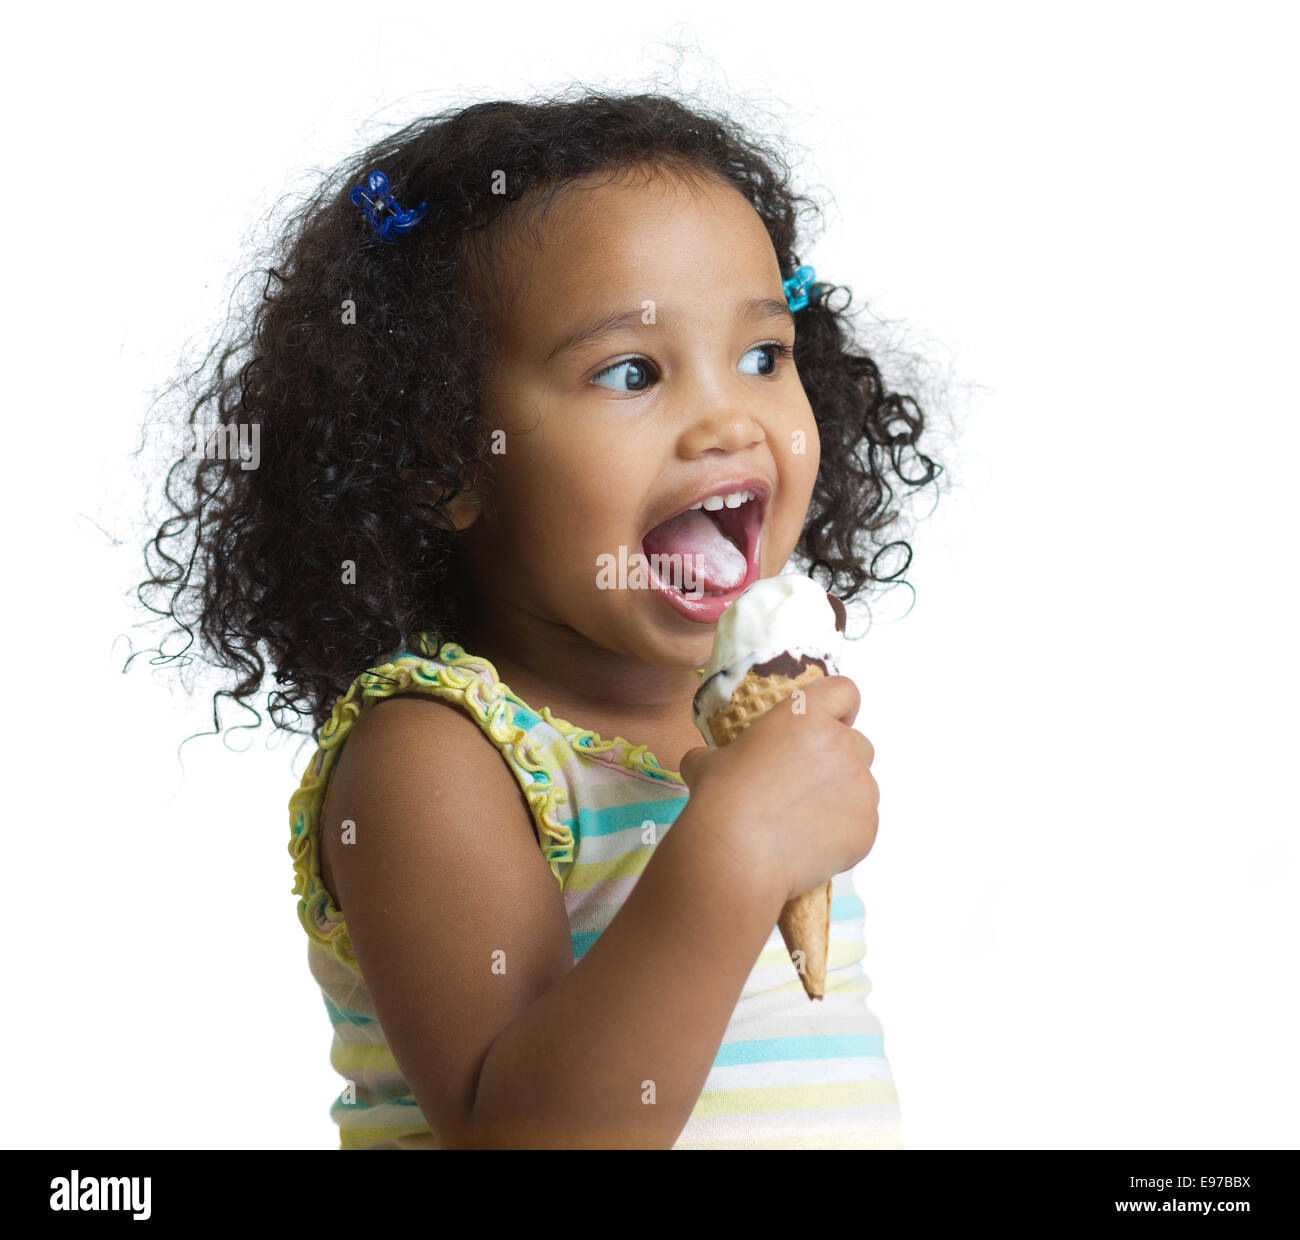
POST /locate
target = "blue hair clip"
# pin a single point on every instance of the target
(382, 210)
(796, 288)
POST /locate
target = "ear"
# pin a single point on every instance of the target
(462, 510)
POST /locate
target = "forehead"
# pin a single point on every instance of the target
(608, 244)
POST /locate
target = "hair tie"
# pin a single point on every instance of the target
(385, 215)
(796, 288)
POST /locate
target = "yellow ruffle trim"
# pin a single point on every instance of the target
(457, 677)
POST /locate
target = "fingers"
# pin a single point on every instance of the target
(837, 695)
(867, 748)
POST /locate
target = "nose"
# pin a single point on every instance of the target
(726, 429)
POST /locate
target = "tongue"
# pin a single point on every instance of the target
(719, 566)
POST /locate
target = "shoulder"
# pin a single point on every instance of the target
(406, 753)
(409, 727)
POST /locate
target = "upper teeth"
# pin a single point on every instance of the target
(733, 499)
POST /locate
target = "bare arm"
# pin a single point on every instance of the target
(446, 870)
(648, 1003)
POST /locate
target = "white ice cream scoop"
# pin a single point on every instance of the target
(777, 621)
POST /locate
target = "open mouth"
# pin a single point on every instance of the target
(704, 558)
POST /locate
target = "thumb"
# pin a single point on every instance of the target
(690, 763)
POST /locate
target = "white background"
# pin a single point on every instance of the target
(1081, 927)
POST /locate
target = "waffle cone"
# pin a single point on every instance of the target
(805, 921)
(805, 926)
(755, 696)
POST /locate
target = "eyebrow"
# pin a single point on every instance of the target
(752, 309)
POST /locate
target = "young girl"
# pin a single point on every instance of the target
(500, 351)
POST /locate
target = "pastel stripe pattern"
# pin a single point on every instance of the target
(789, 1074)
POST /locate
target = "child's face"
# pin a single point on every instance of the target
(611, 437)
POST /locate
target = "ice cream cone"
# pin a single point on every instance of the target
(755, 696)
(805, 926)
(805, 921)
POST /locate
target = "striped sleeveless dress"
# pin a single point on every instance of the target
(790, 1073)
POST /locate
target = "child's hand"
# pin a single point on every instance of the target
(792, 798)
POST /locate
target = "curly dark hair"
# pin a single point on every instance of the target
(368, 428)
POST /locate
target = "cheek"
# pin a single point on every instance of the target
(594, 501)
(812, 467)
(811, 456)
(799, 466)
(595, 479)
(798, 447)
(581, 502)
